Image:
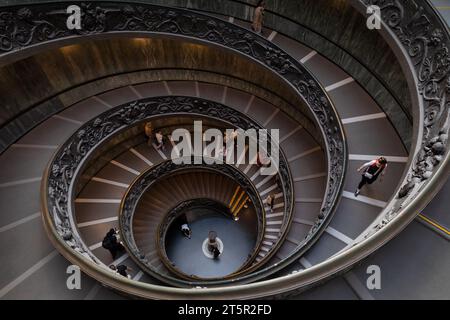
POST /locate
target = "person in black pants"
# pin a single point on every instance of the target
(121, 269)
(216, 252)
(370, 172)
(110, 243)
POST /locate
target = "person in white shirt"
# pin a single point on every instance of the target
(370, 172)
(186, 230)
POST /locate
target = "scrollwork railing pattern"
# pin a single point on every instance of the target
(23, 27)
(426, 41)
(151, 177)
(68, 162)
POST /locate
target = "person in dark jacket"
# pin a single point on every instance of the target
(111, 243)
(159, 140)
(121, 269)
(216, 252)
(370, 172)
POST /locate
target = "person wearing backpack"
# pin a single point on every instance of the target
(370, 172)
(110, 243)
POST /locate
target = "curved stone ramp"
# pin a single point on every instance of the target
(348, 216)
(141, 157)
(31, 259)
(61, 126)
(369, 134)
(21, 175)
(352, 216)
(411, 264)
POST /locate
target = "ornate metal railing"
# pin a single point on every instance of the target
(36, 24)
(68, 163)
(149, 179)
(423, 41)
(26, 27)
(424, 38)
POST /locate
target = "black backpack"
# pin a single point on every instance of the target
(107, 242)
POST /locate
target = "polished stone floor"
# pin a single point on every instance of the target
(238, 238)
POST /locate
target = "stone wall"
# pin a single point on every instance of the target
(338, 31)
(333, 28)
(39, 86)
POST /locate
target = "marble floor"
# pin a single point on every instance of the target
(238, 239)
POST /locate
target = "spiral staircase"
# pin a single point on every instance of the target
(75, 161)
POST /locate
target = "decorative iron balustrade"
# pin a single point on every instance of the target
(67, 164)
(413, 30)
(29, 26)
(426, 40)
(150, 178)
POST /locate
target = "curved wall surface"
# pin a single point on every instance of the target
(336, 30)
(404, 66)
(31, 86)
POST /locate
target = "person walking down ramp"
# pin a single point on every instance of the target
(370, 172)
